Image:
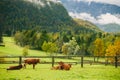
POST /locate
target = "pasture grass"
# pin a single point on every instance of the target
(44, 72)
(11, 49)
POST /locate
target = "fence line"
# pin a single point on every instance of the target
(81, 59)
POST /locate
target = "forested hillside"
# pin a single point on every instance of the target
(19, 15)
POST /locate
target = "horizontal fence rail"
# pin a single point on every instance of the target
(77, 60)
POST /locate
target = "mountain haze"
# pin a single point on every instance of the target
(110, 27)
(101, 14)
(93, 8)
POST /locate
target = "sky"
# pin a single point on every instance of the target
(115, 2)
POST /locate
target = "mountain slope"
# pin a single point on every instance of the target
(87, 24)
(24, 14)
(48, 15)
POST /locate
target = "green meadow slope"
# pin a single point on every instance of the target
(12, 49)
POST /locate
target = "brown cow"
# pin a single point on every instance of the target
(31, 61)
(64, 66)
(15, 67)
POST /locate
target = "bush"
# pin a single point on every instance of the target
(25, 50)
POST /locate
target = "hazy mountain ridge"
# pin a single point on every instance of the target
(101, 14)
(110, 27)
(94, 8)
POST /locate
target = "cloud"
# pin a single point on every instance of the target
(84, 16)
(102, 19)
(108, 18)
(115, 2)
(39, 2)
(56, 1)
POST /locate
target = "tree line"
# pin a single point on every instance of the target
(68, 43)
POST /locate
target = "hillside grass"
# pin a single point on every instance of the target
(11, 49)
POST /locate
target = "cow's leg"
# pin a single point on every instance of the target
(25, 66)
(33, 66)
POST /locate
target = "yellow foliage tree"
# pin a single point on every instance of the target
(113, 50)
(117, 47)
(55, 36)
(98, 47)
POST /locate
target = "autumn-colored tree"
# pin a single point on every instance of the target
(55, 36)
(98, 48)
(113, 50)
(117, 46)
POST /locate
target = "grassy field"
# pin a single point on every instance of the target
(12, 49)
(44, 72)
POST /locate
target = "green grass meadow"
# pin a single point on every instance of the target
(12, 49)
(44, 72)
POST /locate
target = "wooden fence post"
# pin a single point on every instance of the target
(116, 62)
(106, 62)
(94, 58)
(20, 59)
(82, 61)
(53, 61)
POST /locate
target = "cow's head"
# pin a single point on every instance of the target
(38, 60)
(20, 65)
(61, 63)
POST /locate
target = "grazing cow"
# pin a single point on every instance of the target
(15, 67)
(64, 66)
(31, 61)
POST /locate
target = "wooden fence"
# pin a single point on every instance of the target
(76, 60)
